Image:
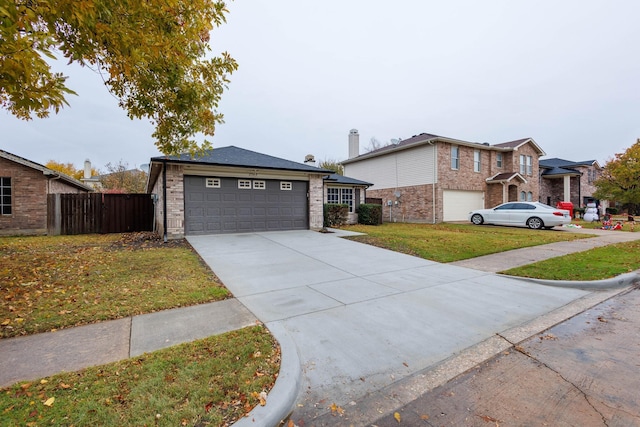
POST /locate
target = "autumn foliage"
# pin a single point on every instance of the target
(151, 55)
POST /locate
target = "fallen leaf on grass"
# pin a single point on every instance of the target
(49, 401)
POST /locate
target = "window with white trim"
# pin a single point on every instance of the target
(213, 183)
(529, 165)
(340, 196)
(244, 184)
(5, 195)
(522, 164)
(455, 157)
(499, 160)
(476, 160)
(286, 185)
(529, 196)
(259, 185)
(523, 196)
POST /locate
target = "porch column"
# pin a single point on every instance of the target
(567, 188)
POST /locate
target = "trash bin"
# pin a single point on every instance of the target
(566, 206)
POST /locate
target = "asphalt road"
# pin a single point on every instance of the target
(583, 372)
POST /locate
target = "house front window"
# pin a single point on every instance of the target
(340, 196)
(522, 164)
(529, 196)
(5, 196)
(499, 160)
(529, 165)
(455, 157)
(523, 196)
(476, 160)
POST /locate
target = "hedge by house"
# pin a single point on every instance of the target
(335, 215)
(370, 214)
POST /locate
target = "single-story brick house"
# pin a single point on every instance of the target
(24, 186)
(430, 178)
(234, 190)
(568, 181)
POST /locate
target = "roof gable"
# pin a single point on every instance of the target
(45, 170)
(240, 157)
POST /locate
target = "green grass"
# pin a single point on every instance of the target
(214, 382)
(454, 242)
(595, 264)
(48, 283)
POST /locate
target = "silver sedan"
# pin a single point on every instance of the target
(534, 215)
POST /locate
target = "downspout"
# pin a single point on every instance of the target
(433, 182)
(164, 197)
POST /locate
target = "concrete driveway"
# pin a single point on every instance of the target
(363, 317)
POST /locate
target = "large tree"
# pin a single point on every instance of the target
(120, 179)
(151, 54)
(620, 180)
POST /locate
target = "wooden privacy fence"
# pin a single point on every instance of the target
(99, 213)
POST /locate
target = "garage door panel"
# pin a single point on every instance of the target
(228, 209)
(458, 203)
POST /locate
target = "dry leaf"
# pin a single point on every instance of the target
(49, 401)
(397, 417)
(263, 398)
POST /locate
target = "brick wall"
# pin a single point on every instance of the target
(175, 202)
(29, 200)
(415, 204)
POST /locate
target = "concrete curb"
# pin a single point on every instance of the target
(284, 394)
(621, 281)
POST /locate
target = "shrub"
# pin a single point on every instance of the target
(369, 214)
(612, 211)
(335, 215)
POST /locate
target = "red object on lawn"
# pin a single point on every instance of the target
(566, 206)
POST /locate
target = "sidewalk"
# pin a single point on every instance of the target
(41, 355)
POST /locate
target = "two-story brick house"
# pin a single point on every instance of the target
(430, 178)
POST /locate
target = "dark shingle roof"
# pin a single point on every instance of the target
(556, 171)
(234, 156)
(512, 144)
(561, 163)
(340, 179)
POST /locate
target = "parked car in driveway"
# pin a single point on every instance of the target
(534, 215)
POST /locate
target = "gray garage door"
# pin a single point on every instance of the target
(238, 205)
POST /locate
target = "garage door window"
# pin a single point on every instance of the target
(244, 184)
(213, 183)
(285, 185)
(259, 185)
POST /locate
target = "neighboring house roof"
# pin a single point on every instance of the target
(239, 157)
(428, 138)
(335, 178)
(560, 167)
(49, 173)
(562, 163)
(505, 177)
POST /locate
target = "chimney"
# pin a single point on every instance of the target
(354, 143)
(87, 169)
(310, 160)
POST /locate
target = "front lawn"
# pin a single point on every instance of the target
(55, 282)
(210, 382)
(454, 242)
(594, 264)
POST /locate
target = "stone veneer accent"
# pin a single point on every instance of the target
(316, 188)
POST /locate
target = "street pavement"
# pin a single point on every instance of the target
(582, 372)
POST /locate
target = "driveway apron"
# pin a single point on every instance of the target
(363, 317)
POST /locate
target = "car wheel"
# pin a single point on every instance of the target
(477, 219)
(535, 223)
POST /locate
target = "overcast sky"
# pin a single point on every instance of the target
(566, 73)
